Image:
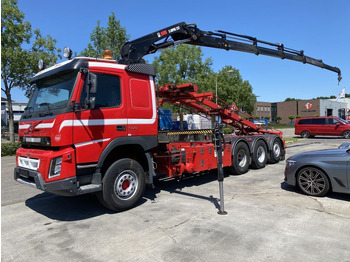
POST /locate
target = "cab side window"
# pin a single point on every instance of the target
(108, 91)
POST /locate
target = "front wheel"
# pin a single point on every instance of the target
(123, 185)
(346, 134)
(241, 159)
(313, 181)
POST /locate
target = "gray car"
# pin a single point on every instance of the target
(318, 172)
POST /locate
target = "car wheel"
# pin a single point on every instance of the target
(313, 181)
(123, 185)
(305, 134)
(259, 155)
(241, 159)
(346, 134)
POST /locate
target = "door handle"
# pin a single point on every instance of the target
(121, 128)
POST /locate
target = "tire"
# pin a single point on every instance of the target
(305, 134)
(312, 181)
(259, 155)
(240, 159)
(276, 151)
(123, 185)
(346, 134)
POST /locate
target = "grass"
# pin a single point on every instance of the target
(290, 140)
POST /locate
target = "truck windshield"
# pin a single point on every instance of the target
(52, 92)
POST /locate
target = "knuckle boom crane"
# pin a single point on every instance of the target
(182, 33)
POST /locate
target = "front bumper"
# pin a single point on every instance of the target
(290, 174)
(64, 187)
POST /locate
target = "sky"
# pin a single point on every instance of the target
(319, 27)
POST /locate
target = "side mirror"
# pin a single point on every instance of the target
(91, 88)
(92, 83)
(337, 124)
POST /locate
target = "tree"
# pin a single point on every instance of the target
(183, 64)
(18, 64)
(112, 37)
(291, 118)
(232, 88)
(289, 99)
(278, 119)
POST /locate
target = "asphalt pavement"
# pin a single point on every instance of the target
(267, 220)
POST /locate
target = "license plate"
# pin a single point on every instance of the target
(24, 173)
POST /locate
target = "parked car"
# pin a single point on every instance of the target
(318, 172)
(324, 126)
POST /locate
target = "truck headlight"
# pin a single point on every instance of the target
(291, 162)
(55, 167)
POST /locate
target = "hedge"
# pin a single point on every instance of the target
(9, 149)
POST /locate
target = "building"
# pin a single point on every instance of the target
(302, 108)
(18, 110)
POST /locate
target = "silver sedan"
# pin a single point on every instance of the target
(318, 172)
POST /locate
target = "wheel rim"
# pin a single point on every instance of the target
(242, 158)
(312, 181)
(304, 134)
(126, 184)
(261, 154)
(276, 149)
(347, 134)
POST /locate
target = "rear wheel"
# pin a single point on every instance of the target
(346, 134)
(123, 185)
(313, 181)
(241, 159)
(277, 151)
(259, 155)
(305, 134)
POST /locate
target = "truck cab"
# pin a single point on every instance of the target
(81, 113)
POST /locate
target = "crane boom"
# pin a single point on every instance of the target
(182, 33)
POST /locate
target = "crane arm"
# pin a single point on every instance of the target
(182, 33)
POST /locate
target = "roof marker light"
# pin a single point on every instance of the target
(107, 54)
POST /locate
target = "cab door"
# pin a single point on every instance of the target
(95, 127)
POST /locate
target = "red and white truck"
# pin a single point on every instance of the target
(91, 125)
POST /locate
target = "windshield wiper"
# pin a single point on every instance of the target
(48, 108)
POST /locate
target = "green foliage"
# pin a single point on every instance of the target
(290, 99)
(232, 88)
(112, 37)
(184, 64)
(257, 117)
(19, 64)
(267, 117)
(9, 149)
(291, 118)
(278, 118)
(298, 116)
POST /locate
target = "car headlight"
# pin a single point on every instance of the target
(291, 162)
(55, 167)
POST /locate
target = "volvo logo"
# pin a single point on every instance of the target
(31, 127)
